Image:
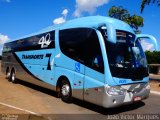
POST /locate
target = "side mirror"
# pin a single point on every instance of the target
(139, 36)
(111, 33)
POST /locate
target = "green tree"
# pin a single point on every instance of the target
(147, 2)
(153, 58)
(135, 22)
(120, 13)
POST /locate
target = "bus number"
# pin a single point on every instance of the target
(49, 59)
(45, 41)
(122, 81)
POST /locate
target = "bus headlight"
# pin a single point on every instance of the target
(116, 90)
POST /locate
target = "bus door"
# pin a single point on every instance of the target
(82, 46)
(72, 43)
(94, 70)
(78, 83)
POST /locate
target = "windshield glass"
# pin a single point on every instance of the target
(125, 57)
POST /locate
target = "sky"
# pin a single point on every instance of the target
(22, 17)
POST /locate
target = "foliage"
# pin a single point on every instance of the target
(135, 22)
(153, 57)
(119, 13)
(122, 14)
(147, 2)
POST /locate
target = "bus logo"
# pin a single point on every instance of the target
(45, 41)
(77, 67)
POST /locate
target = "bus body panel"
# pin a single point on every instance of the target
(122, 81)
(41, 65)
(93, 87)
(21, 72)
(78, 85)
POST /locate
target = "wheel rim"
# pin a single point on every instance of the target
(8, 75)
(65, 90)
(13, 77)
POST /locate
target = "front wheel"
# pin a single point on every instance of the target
(66, 91)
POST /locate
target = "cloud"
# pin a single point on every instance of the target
(88, 6)
(61, 19)
(3, 39)
(147, 46)
(65, 12)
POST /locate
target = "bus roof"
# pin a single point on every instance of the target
(91, 21)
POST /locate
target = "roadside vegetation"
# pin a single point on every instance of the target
(153, 58)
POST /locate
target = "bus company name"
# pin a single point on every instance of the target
(32, 56)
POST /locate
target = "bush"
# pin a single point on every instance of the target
(153, 57)
(153, 69)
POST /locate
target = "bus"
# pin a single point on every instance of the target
(96, 59)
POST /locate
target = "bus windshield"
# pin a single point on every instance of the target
(126, 57)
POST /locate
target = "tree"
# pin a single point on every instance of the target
(147, 2)
(135, 22)
(153, 58)
(122, 14)
(119, 13)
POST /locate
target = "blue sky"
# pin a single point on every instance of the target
(22, 17)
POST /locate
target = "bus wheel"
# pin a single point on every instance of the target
(8, 74)
(66, 91)
(13, 76)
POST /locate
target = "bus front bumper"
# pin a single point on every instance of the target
(131, 93)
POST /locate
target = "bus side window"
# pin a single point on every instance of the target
(72, 43)
(82, 45)
(93, 52)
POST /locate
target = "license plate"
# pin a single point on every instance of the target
(137, 99)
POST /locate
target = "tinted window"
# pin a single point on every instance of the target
(33, 43)
(126, 57)
(82, 45)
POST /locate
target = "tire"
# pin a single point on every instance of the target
(66, 91)
(8, 74)
(13, 76)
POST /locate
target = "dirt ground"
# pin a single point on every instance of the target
(155, 85)
(155, 82)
